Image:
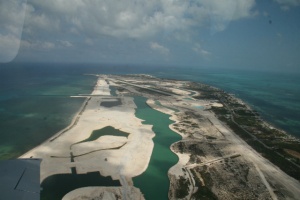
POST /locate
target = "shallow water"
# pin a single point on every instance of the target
(275, 95)
(154, 182)
(34, 105)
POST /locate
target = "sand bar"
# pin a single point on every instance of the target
(113, 156)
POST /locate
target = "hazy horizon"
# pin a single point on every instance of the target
(232, 34)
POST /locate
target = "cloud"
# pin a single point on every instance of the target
(65, 43)
(135, 19)
(286, 4)
(221, 13)
(45, 45)
(161, 49)
(203, 53)
(9, 46)
(12, 15)
(38, 45)
(59, 24)
(39, 22)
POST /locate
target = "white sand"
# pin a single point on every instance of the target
(129, 161)
(265, 168)
(133, 158)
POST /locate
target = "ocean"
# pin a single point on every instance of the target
(274, 94)
(35, 99)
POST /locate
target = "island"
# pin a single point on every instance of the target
(195, 142)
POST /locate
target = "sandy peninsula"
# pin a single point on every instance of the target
(214, 161)
(102, 154)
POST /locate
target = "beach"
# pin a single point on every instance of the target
(215, 142)
(99, 155)
(208, 147)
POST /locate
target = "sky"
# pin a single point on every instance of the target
(194, 33)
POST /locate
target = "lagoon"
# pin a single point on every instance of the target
(154, 182)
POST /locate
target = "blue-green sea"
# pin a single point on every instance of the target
(274, 94)
(35, 99)
(35, 103)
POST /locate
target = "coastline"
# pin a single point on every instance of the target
(59, 133)
(264, 165)
(198, 123)
(112, 161)
(234, 147)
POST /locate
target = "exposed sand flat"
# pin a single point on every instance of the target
(179, 91)
(207, 145)
(266, 177)
(102, 143)
(162, 109)
(101, 88)
(137, 148)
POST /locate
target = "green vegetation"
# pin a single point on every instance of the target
(268, 152)
(194, 159)
(196, 150)
(245, 113)
(203, 191)
(152, 92)
(270, 142)
(220, 110)
(183, 188)
(163, 89)
(210, 137)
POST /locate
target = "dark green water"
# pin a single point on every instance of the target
(154, 182)
(108, 130)
(113, 91)
(57, 186)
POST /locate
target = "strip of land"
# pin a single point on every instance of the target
(218, 155)
(214, 162)
(102, 155)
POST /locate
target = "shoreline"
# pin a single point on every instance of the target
(265, 119)
(217, 133)
(197, 122)
(92, 116)
(183, 158)
(59, 133)
(74, 120)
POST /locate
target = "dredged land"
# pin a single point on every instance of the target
(214, 161)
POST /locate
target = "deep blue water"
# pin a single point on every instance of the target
(35, 102)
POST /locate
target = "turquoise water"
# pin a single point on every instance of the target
(274, 94)
(154, 182)
(35, 104)
(199, 107)
(188, 99)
